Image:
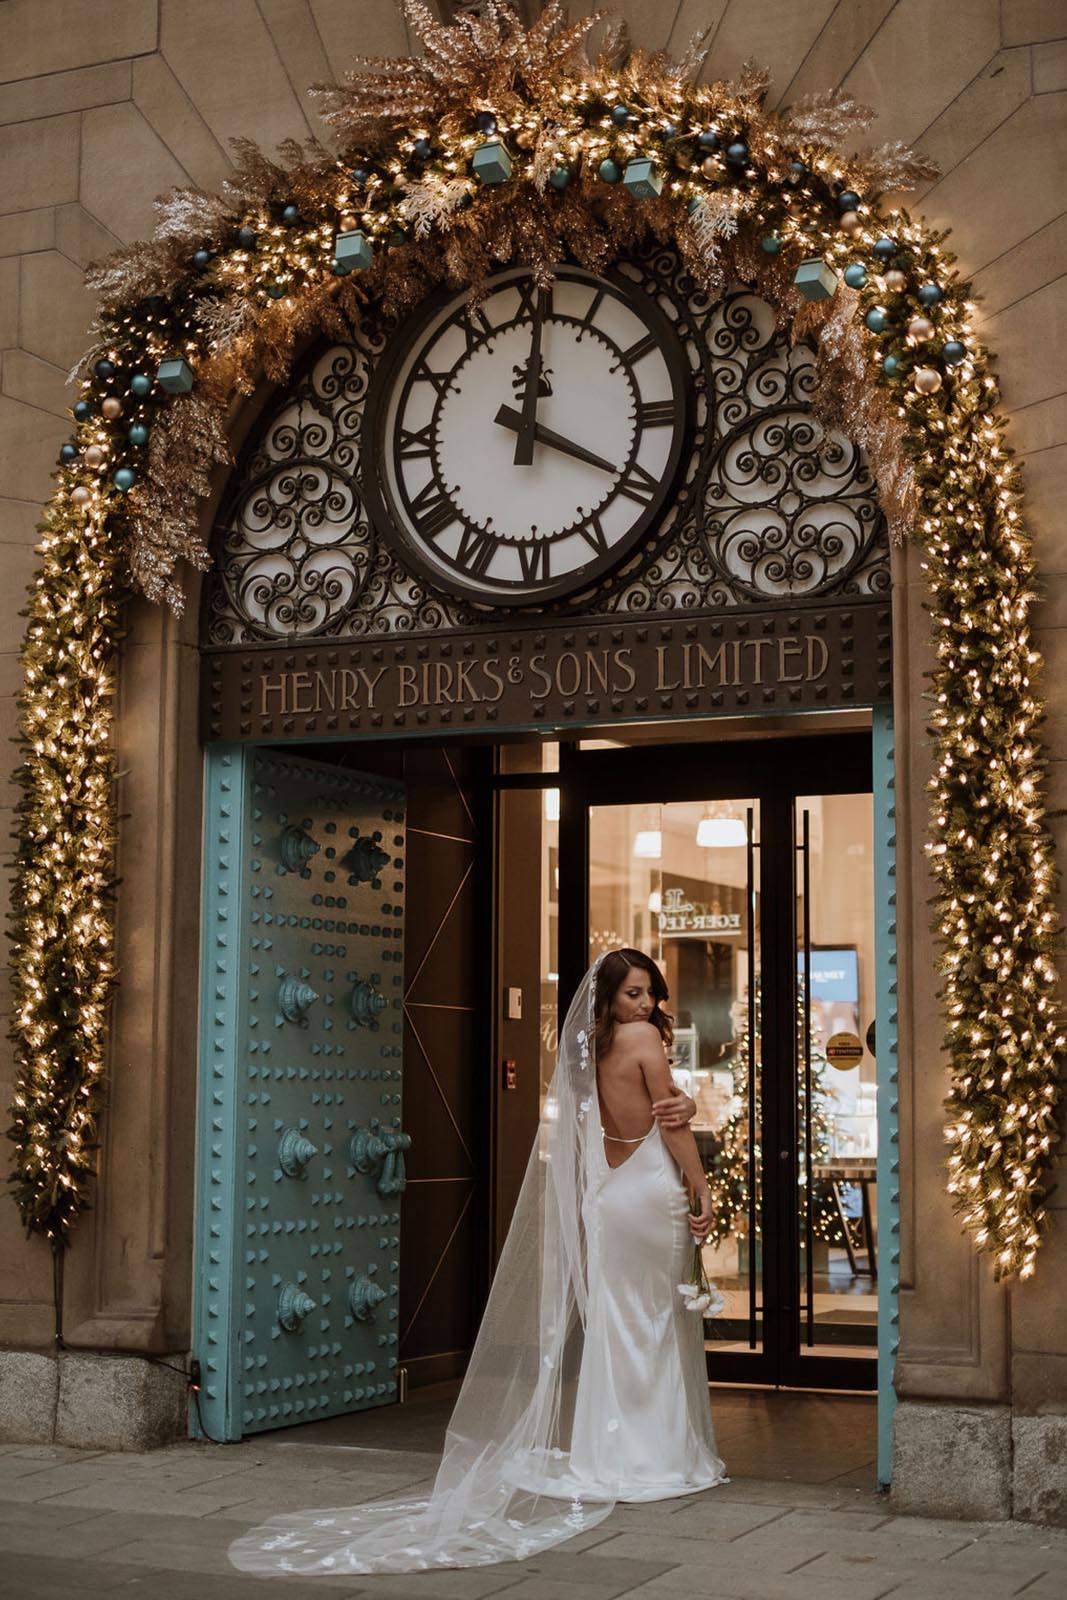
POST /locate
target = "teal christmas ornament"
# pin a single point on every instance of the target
(124, 478)
(671, 130)
(953, 352)
(856, 275)
(848, 201)
(246, 238)
(885, 247)
(201, 259)
(137, 433)
(68, 454)
(491, 162)
(353, 250)
(642, 178)
(340, 269)
(692, 204)
(930, 294)
(876, 319)
(816, 279)
(708, 139)
(104, 369)
(360, 175)
(175, 375)
(422, 149)
(799, 169)
(891, 366)
(485, 122)
(140, 384)
(770, 244)
(559, 177)
(465, 201)
(82, 411)
(291, 214)
(620, 116)
(609, 170)
(737, 153)
(276, 290)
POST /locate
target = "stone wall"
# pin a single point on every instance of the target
(102, 107)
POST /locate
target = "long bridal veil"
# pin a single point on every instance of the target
(503, 1490)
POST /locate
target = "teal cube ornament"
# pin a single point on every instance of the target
(816, 279)
(642, 178)
(491, 162)
(175, 375)
(353, 250)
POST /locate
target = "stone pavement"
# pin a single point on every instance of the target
(75, 1525)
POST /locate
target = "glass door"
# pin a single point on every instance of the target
(752, 886)
(680, 880)
(835, 1101)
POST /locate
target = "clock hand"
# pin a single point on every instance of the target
(524, 444)
(508, 417)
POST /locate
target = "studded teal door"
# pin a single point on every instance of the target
(300, 1134)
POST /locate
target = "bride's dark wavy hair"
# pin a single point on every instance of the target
(611, 974)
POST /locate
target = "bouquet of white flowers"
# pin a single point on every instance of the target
(698, 1292)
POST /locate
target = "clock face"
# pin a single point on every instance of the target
(520, 450)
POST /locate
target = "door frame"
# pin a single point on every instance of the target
(773, 771)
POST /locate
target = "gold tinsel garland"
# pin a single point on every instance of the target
(230, 283)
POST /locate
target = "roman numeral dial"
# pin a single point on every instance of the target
(521, 449)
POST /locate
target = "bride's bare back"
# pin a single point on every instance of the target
(630, 1074)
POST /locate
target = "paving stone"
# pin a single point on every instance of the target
(940, 1578)
(717, 1580)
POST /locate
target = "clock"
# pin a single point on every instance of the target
(516, 451)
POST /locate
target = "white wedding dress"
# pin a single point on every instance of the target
(587, 1381)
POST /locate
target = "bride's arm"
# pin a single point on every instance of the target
(679, 1141)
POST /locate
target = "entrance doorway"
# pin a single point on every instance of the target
(746, 869)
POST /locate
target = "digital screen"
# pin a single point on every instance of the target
(834, 974)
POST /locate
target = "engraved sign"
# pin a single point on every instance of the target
(553, 676)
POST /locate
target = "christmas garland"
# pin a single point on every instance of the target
(502, 145)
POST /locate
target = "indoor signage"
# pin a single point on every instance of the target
(682, 916)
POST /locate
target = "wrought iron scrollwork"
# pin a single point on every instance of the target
(769, 505)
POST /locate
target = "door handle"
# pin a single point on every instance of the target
(381, 1150)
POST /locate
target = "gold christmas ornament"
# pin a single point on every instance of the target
(920, 328)
(94, 456)
(850, 222)
(927, 380)
(895, 281)
(80, 496)
(112, 408)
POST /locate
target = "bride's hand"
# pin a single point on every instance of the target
(700, 1222)
(674, 1110)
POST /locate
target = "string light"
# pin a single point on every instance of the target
(263, 268)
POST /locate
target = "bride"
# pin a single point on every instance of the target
(586, 1384)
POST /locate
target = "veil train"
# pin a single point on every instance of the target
(503, 1491)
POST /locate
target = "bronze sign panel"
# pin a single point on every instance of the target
(570, 675)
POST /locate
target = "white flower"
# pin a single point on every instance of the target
(716, 1301)
(701, 1303)
(688, 1290)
